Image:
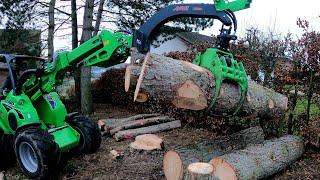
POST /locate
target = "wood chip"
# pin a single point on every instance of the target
(116, 154)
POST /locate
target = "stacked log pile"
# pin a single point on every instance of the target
(128, 128)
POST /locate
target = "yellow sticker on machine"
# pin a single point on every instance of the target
(105, 43)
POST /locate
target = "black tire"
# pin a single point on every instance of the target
(90, 136)
(36, 152)
(7, 156)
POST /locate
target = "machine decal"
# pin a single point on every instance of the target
(7, 107)
(197, 9)
(51, 101)
(181, 8)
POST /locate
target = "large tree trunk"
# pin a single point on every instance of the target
(209, 149)
(86, 96)
(51, 28)
(183, 85)
(75, 41)
(259, 161)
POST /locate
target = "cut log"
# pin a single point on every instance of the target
(210, 148)
(183, 85)
(128, 134)
(172, 166)
(141, 123)
(147, 142)
(199, 171)
(259, 161)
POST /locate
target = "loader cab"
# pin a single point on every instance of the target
(11, 67)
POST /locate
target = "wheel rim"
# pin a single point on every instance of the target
(28, 157)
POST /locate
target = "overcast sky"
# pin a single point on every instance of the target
(276, 15)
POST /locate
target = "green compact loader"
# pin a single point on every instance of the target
(35, 127)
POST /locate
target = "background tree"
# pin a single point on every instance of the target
(18, 13)
(310, 60)
(86, 96)
(52, 5)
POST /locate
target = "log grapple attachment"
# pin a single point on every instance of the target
(224, 68)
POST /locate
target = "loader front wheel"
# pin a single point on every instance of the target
(36, 151)
(90, 136)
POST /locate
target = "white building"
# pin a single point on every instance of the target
(180, 42)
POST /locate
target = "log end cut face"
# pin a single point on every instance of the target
(172, 166)
(222, 169)
(200, 168)
(190, 96)
(147, 142)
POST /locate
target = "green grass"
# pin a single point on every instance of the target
(302, 108)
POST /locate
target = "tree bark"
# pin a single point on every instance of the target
(259, 161)
(86, 96)
(211, 148)
(51, 28)
(183, 85)
(127, 134)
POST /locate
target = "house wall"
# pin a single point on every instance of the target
(175, 44)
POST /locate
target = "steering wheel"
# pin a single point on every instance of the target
(27, 78)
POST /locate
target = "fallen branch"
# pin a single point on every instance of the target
(127, 134)
(141, 123)
(108, 124)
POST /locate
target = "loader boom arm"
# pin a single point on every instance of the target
(109, 48)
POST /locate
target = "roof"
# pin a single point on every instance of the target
(194, 38)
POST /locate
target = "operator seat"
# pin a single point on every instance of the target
(7, 84)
